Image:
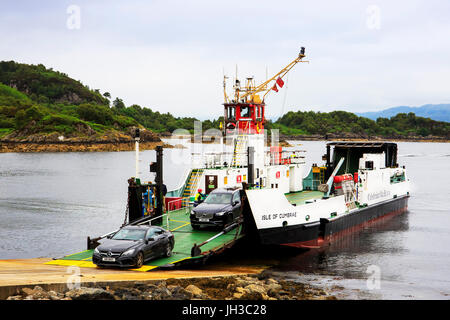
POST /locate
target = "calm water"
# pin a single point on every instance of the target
(50, 203)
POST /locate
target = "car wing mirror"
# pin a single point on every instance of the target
(150, 239)
(235, 202)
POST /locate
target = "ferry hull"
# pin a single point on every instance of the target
(316, 234)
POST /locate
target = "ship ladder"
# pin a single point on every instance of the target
(191, 187)
(239, 151)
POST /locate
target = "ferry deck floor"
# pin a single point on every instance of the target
(178, 223)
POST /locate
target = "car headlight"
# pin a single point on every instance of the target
(128, 252)
(96, 250)
(221, 213)
(193, 212)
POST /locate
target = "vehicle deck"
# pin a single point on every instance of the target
(301, 197)
(185, 238)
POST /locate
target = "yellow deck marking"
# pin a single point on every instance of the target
(179, 260)
(179, 221)
(145, 268)
(181, 226)
(78, 263)
(89, 264)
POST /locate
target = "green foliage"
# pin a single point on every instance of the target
(5, 131)
(43, 100)
(402, 125)
(118, 104)
(155, 121)
(45, 85)
(95, 113)
(6, 122)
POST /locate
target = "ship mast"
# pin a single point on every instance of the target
(245, 113)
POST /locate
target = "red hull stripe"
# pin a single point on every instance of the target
(319, 242)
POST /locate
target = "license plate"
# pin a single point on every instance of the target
(204, 219)
(108, 259)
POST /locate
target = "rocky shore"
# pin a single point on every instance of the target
(110, 141)
(87, 146)
(253, 287)
(356, 137)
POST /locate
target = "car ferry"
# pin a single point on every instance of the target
(285, 202)
(274, 198)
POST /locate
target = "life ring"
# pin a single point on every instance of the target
(231, 125)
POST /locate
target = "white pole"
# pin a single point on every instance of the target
(137, 157)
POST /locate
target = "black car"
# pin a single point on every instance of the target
(131, 246)
(220, 208)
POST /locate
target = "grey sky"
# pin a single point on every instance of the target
(170, 55)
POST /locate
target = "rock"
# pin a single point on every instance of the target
(27, 291)
(14, 298)
(241, 290)
(53, 295)
(161, 293)
(254, 295)
(89, 294)
(196, 291)
(264, 275)
(274, 286)
(243, 283)
(37, 293)
(161, 284)
(256, 288)
(128, 293)
(271, 281)
(237, 295)
(179, 293)
(150, 287)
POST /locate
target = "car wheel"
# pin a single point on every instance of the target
(168, 252)
(139, 260)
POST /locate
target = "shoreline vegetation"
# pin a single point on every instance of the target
(42, 110)
(128, 144)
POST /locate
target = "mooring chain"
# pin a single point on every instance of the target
(127, 209)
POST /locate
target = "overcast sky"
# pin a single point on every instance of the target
(170, 55)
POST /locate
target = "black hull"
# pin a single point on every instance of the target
(315, 233)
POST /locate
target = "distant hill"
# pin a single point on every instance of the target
(38, 104)
(438, 112)
(402, 125)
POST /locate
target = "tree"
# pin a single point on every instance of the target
(118, 104)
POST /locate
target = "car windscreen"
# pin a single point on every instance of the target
(218, 198)
(129, 234)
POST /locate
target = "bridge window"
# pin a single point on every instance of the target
(231, 113)
(245, 112)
